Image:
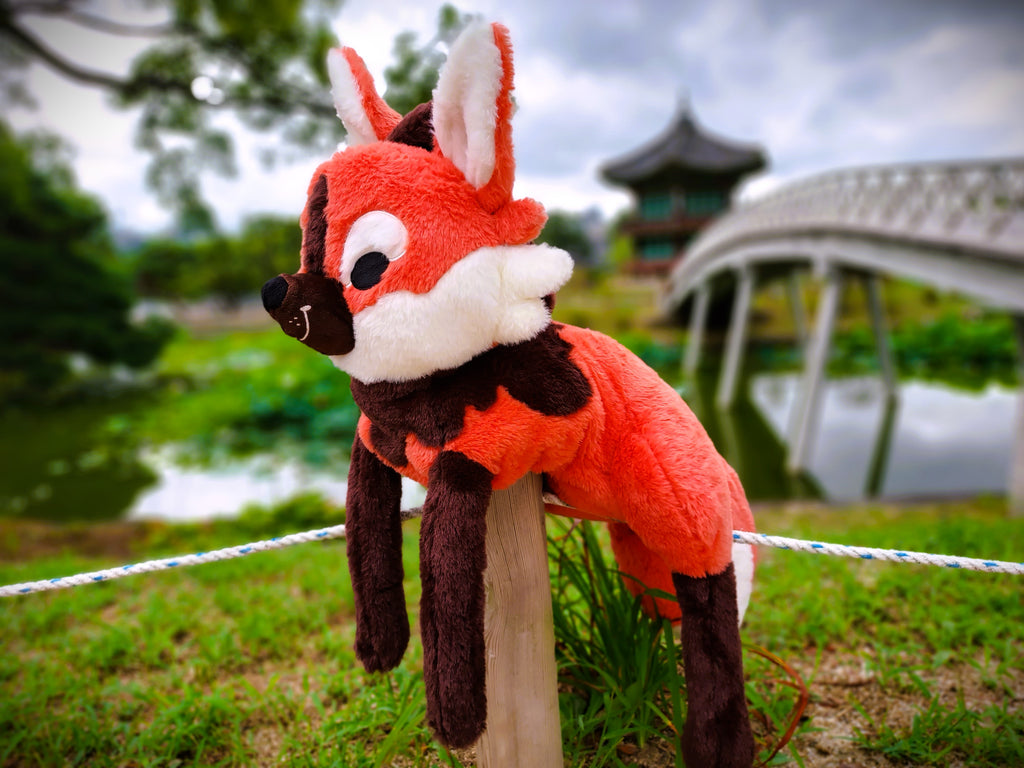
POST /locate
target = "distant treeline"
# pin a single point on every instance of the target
(65, 297)
(227, 267)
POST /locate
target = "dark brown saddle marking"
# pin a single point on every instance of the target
(538, 373)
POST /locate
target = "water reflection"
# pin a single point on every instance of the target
(750, 444)
(934, 440)
(193, 493)
(75, 463)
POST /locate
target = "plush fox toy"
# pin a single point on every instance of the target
(419, 279)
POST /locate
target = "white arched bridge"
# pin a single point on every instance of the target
(957, 226)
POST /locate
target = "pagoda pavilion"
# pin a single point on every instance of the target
(681, 179)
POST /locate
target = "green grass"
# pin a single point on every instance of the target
(250, 661)
(217, 665)
(937, 654)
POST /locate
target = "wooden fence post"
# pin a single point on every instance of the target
(523, 728)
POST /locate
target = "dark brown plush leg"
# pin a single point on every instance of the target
(452, 562)
(373, 532)
(717, 731)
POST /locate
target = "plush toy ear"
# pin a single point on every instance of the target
(366, 116)
(473, 109)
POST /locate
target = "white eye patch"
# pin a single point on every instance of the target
(374, 235)
(490, 296)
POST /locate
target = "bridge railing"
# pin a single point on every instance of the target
(975, 206)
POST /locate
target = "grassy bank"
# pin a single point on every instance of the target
(250, 662)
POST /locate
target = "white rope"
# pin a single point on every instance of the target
(338, 531)
(871, 553)
(198, 558)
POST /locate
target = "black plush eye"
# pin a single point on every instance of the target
(368, 269)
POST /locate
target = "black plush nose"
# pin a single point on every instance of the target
(273, 292)
(311, 308)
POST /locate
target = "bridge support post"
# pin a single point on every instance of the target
(796, 307)
(808, 404)
(880, 454)
(736, 340)
(698, 321)
(873, 289)
(1016, 490)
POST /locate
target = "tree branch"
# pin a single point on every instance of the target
(125, 86)
(67, 11)
(116, 28)
(66, 68)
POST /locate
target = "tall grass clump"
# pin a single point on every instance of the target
(618, 675)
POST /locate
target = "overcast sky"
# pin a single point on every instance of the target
(819, 83)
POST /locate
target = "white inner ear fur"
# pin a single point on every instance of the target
(348, 100)
(492, 296)
(465, 103)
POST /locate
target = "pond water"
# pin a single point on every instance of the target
(184, 493)
(934, 441)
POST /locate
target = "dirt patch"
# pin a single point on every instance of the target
(841, 686)
(25, 540)
(844, 684)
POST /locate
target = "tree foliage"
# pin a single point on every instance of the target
(62, 292)
(412, 77)
(200, 60)
(229, 268)
(565, 230)
(203, 61)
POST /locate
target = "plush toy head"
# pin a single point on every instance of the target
(415, 255)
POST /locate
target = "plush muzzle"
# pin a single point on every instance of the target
(312, 309)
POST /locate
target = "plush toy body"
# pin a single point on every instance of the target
(418, 279)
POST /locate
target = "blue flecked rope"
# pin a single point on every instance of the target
(872, 553)
(229, 553)
(338, 531)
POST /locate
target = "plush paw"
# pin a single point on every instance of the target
(458, 715)
(705, 745)
(383, 633)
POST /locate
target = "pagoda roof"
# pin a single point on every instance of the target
(685, 146)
